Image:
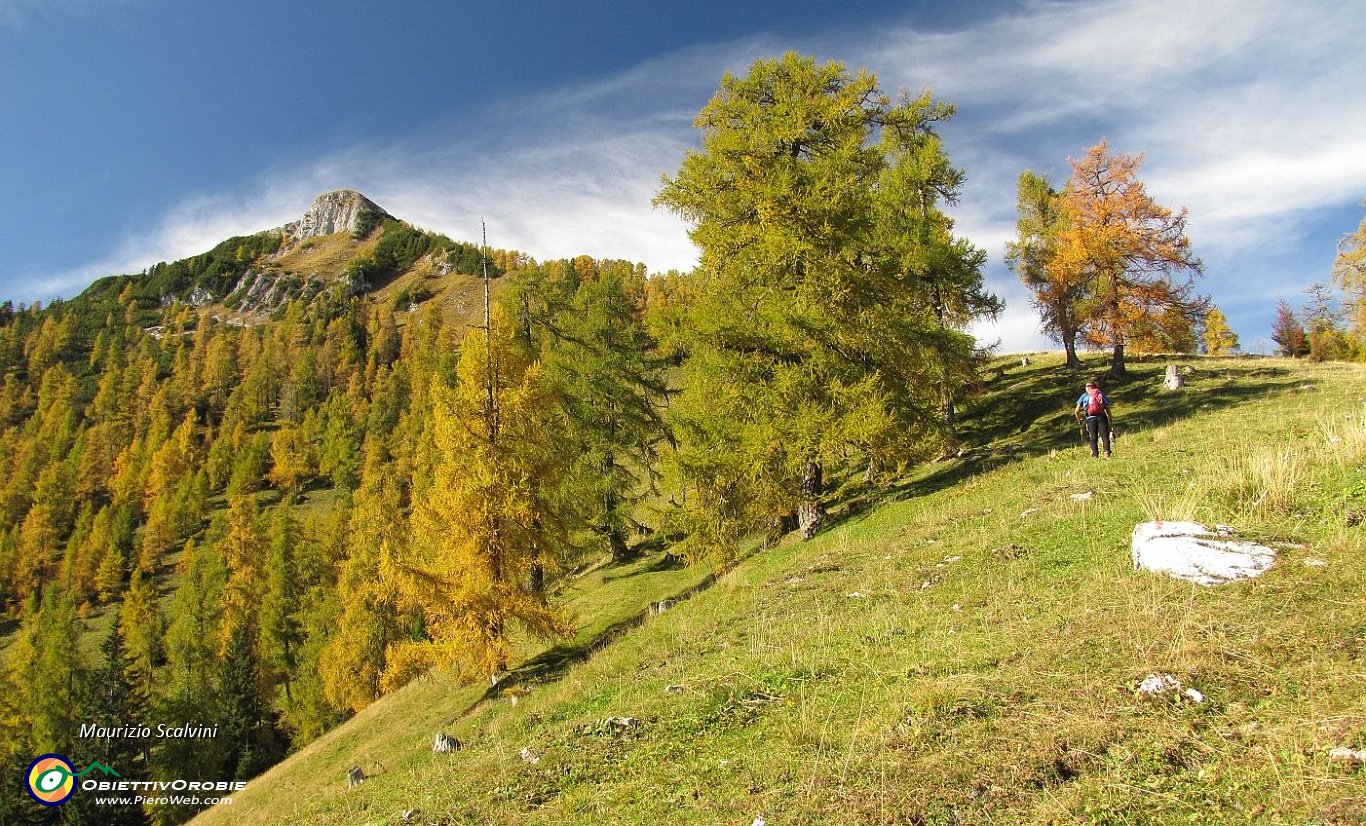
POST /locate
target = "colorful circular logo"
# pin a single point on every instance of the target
(51, 779)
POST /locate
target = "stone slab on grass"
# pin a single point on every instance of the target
(1193, 552)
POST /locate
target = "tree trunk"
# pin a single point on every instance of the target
(1069, 343)
(1117, 369)
(810, 513)
(611, 525)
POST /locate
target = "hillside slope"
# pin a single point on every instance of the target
(961, 648)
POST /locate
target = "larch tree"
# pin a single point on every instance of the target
(830, 298)
(1134, 252)
(1349, 273)
(490, 517)
(1288, 333)
(1219, 338)
(1327, 339)
(1056, 292)
(600, 361)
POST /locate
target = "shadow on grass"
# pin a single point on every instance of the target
(552, 664)
(1025, 412)
(654, 545)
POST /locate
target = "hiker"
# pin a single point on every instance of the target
(1093, 409)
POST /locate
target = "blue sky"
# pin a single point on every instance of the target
(134, 131)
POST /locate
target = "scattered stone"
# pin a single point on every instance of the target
(444, 743)
(856, 595)
(354, 777)
(759, 821)
(956, 607)
(1028, 512)
(1082, 497)
(1314, 562)
(529, 756)
(1157, 686)
(409, 815)
(677, 688)
(1190, 551)
(1352, 757)
(662, 606)
(621, 723)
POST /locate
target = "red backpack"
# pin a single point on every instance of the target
(1096, 405)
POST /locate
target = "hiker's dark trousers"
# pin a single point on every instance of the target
(1098, 427)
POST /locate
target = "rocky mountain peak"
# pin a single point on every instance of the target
(339, 211)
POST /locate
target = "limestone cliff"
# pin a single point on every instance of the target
(339, 211)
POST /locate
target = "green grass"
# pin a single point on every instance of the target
(961, 647)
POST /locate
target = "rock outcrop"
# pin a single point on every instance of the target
(340, 211)
(1190, 551)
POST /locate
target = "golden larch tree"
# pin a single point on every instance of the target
(490, 517)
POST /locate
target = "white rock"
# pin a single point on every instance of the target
(1082, 497)
(1155, 685)
(529, 756)
(1161, 685)
(1029, 512)
(1190, 551)
(1341, 754)
(1314, 562)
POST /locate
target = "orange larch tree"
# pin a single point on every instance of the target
(1126, 246)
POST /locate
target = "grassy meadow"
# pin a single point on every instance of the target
(962, 645)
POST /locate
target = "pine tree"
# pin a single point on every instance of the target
(280, 635)
(117, 697)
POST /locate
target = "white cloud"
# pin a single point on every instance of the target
(1248, 113)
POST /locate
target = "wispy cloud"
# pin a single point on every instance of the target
(1248, 112)
(16, 14)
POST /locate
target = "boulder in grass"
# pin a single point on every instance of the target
(1193, 552)
(444, 743)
